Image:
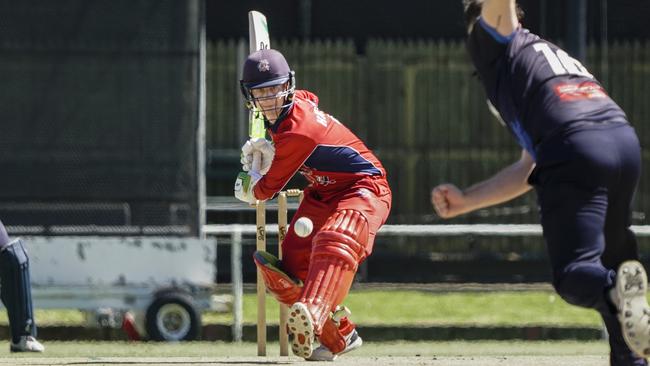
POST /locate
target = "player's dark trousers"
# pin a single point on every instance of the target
(585, 182)
(16, 291)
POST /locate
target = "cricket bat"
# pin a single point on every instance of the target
(258, 39)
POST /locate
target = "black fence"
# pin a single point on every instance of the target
(99, 113)
(418, 107)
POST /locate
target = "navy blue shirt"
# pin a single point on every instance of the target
(539, 90)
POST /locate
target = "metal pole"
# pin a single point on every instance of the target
(261, 288)
(237, 284)
(305, 19)
(242, 112)
(577, 29)
(604, 45)
(200, 131)
(542, 18)
(284, 310)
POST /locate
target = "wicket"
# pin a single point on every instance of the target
(261, 289)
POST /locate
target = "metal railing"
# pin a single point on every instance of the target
(236, 232)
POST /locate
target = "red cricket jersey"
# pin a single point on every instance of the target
(326, 152)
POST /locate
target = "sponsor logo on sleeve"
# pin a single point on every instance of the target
(587, 90)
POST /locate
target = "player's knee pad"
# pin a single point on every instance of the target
(337, 250)
(344, 235)
(279, 283)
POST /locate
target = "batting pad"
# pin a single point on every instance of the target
(285, 289)
(16, 291)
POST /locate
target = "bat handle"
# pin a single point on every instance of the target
(256, 165)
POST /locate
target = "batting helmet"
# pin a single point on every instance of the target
(265, 68)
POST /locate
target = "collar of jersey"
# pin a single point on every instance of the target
(274, 127)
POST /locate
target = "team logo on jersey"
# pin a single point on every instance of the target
(324, 180)
(263, 65)
(305, 171)
(312, 178)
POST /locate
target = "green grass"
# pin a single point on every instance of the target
(223, 349)
(51, 317)
(374, 307)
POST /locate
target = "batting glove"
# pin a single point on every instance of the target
(257, 154)
(244, 186)
(266, 148)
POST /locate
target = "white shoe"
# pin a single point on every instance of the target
(27, 344)
(352, 340)
(301, 330)
(634, 312)
(322, 353)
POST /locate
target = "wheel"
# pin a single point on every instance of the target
(173, 317)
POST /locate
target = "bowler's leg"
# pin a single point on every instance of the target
(627, 323)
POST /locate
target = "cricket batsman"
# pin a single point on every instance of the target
(347, 199)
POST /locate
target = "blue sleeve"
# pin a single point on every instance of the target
(496, 35)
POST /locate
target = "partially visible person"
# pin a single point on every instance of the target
(16, 294)
(583, 158)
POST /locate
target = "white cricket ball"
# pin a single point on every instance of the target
(303, 227)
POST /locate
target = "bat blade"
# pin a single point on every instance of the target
(258, 39)
(256, 124)
(258, 31)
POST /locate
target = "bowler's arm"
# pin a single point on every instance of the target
(500, 15)
(509, 183)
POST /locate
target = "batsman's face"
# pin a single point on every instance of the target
(270, 100)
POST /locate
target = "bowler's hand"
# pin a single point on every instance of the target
(448, 200)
